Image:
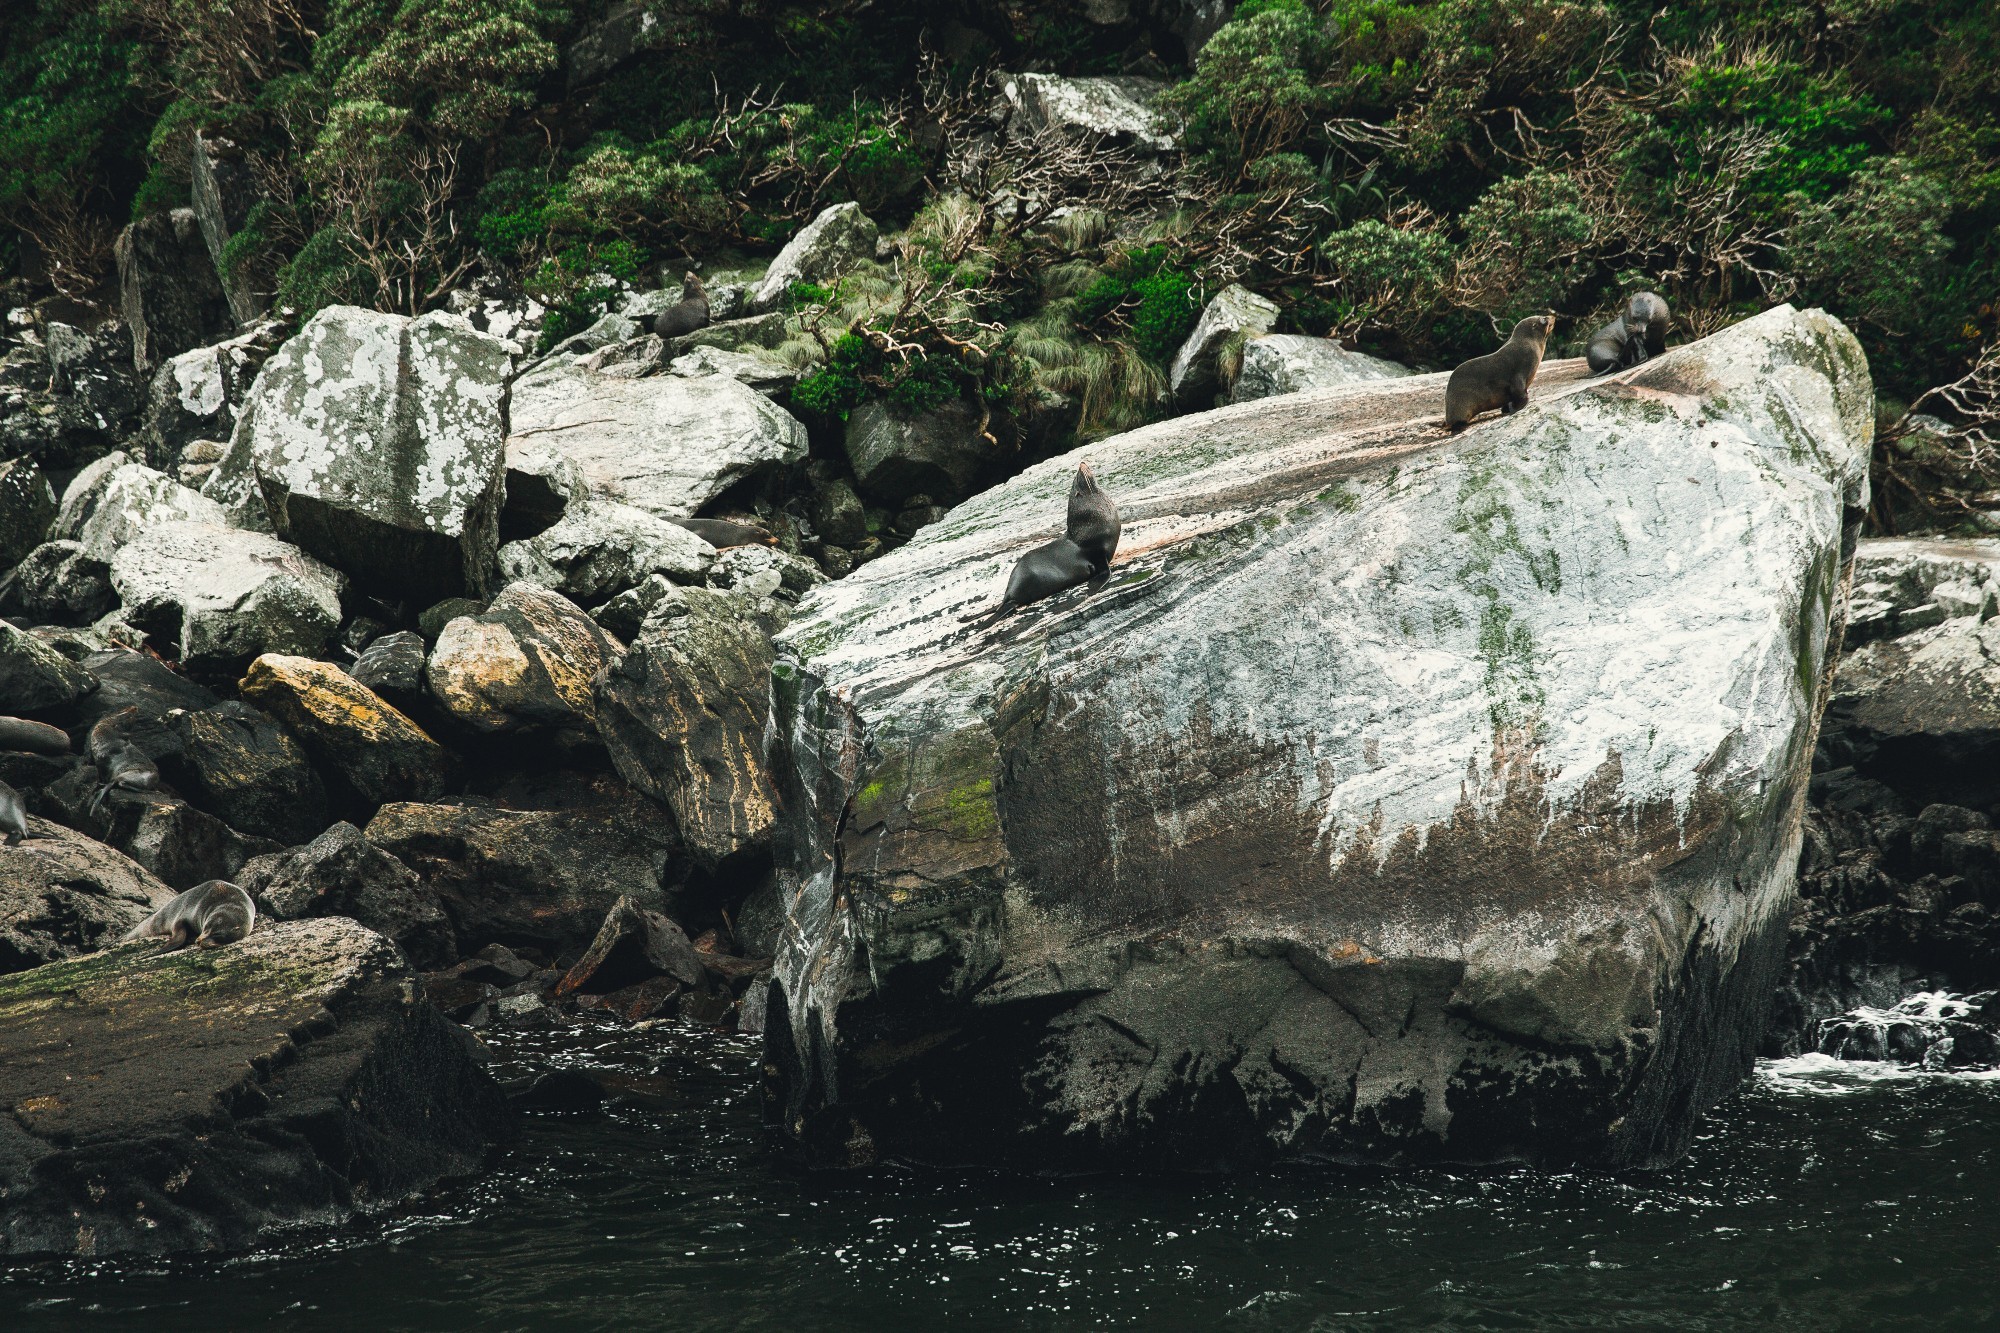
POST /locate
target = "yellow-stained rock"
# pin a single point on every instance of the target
(528, 659)
(355, 735)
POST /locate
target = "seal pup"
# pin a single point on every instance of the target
(18, 733)
(1638, 334)
(687, 314)
(13, 816)
(208, 915)
(1499, 379)
(722, 534)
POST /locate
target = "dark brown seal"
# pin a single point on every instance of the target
(1081, 555)
(1093, 519)
(1499, 379)
(1638, 334)
(722, 534)
(208, 915)
(18, 733)
(687, 314)
(13, 816)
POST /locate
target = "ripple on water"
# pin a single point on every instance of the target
(1824, 1195)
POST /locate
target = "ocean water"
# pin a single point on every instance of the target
(1824, 1195)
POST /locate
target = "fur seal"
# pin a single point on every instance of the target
(722, 534)
(13, 816)
(1638, 334)
(1081, 555)
(1499, 379)
(18, 733)
(118, 762)
(687, 314)
(208, 915)
(1093, 519)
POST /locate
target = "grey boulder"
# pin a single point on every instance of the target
(167, 289)
(341, 873)
(57, 583)
(1113, 110)
(1281, 363)
(837, 239)
(767, 375)
(132, 499)
(27, 508)
(218, 596)
(529, 659)
(34, 677)
(1232, 315)
(62, 894)
(897, 454)
(600, 548)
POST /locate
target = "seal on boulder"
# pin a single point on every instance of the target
(1638, 334)
(208, 915)
(119, 763)
(687, 314)
(1081, 555)
(723, 534)
(1093, 519)
(1499, 379)
(18, 733)
(13, 816)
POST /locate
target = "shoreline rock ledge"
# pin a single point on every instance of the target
(1401, 798)
(201, 1100)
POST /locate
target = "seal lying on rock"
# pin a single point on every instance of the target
(1499, 379)
(1638, 334)
(118, 762)
(207, 915)
(687, 314)
(722, 534)
(18, 733)
(13, 816)
(1082, 554)
(1093, 519)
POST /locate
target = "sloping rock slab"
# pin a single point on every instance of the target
(62, 894)
(1401, 797)
(194, 1101)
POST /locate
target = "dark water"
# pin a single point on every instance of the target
(1823, 1196)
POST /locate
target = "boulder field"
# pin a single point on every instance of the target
(1400, 798)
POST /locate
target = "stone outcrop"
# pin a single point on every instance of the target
(599, 548)
(667, 444)
(1199, 868)
(375, 443)
(529, 659)
(1232, 315)
(201, 1100)
(1112, 110)
(897, 454)
(767, 375)
(1290, 363)
(27, 508)
(58, 584)
(838, 238)
(341, 873)
(62, 894)
(215, 597)
(376, 752)
(167, 289)
(35, 677)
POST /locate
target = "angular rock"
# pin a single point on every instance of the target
(341, 873)
(62, 894)
(146, 685)
(837, 239)
(376, 444)
(939, 453)
(757, 573)
(27, 508)
(1902, 584)
(734, 335)
(180, 844)
(322, 1087)
(633, 945)
(1232, 314)
(532, 877)
(683, 715)
(1921, 713)
(83, 493)
(529, 659)
(196, 395)
(1114, 110)
(135, 499)
(215, 597)
(837, 514)
(223, 195)
(393, 665)
(1289, 363)
(58, 584)
(240, 764)
(767, 375)
(167, 290)
(432, 620)
(379, 754)
(34, 677)
(668, 445)
(1488, 857)
(94, 400)
(600, 548)
(628, 28)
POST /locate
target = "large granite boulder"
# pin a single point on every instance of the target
(529, 659)
(1232, 315)
(666, 444)
(167, 290)
(215, 597)
(1921, 713)
(341, 873)
(684, 711)
(200, 1100)
(940, 453)
(374, 751)
(1291, 363)
(835, 240)
(375, 442)
(599, 548)
(27, 508)
(62, 894)
(1402, 797)
(102, 512)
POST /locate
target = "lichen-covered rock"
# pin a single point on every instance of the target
(940, 453)
(223, 194)
(683, 714)
(82, 494)
(766, 374)
(375, 442)
(533, 877)
(56, 583)
(341, 873)
(1232, 314)
(599, 548)
(27, 508)
(1112, 110)
(199, 1100)
(529, 659)
(96, 396)
(1400, 798)
(214, 597)
(35, 677)
(133, 500)
(62, 894)
(240, 764)
(667, 444)
(352, 734)
(832, 242)
(167, 289)
(195, 396)
(1290, 363)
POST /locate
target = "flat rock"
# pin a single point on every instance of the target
(238, 763)
(767, 375)
(599, 548)
(215, 597)
(62, 894)
(202, 1100)
(349, 730)
(529, 659)
(341, 873)
(1401, 797)
(835, 240)
(1281, 363)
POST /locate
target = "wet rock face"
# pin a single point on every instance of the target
(199, 1100)
(62, 894)
(1197, 869)
(375, 442)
